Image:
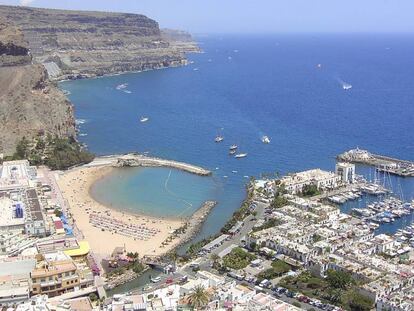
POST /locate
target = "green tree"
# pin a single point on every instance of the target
(358, 302)
(278, 202)
(310, 190)
(199, 297)
(22, 149)
(339, 279)
(58, 212)
(93, 297)
(238, 259)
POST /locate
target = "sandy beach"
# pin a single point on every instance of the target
(74, 186)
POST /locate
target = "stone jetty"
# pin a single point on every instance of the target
(134, 159)
(382, 163)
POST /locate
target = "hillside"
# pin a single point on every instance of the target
(29, 103)
(41, 45)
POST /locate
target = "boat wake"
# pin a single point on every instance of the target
(80, 121)
(122, 86)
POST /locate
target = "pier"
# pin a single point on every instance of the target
(382, 163)
(135, 160)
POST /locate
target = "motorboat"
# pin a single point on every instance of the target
(240, 155)
(265, 139)
(219, 139)
(233, 147)
(143, 119)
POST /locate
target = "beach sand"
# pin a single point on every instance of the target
(75, 185)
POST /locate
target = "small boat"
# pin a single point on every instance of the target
(234, 172)
(240, 155)
(233, 147)
(143, 119)
(319, 65)
(231, 152)
(346, 86)
(265, 139)
(122, 86)
(219, 139)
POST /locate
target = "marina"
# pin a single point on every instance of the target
(385, 211)
(382, 163)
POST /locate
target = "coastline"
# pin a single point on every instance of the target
(106, 228)
(75, 186)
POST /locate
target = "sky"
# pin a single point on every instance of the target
(257, 16)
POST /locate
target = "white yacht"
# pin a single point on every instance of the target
(265, 139)
(219, 139)
(143, 119)
(240, 155)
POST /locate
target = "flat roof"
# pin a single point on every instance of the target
(16, 266)
(216, 241)
(7, 212)
(83, 250)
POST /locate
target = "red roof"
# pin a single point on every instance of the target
(58, 224)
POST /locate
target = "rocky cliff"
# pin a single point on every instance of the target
(79, 43)
(29, 103)
(39, 45)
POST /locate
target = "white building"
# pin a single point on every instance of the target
(294, 183)
(346, 171)
(16, 174)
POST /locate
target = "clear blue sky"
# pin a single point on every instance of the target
(258, 16)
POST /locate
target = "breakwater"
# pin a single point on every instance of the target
(195, 222)
(382, 163)
(136, 160)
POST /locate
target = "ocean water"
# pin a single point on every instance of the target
(244, 87)
(159, 192)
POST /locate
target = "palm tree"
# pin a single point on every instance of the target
(199, 298)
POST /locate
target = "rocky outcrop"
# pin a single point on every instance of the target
(97, 43)
(13, 48)
(29, 103)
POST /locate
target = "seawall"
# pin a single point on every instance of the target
(137, 160)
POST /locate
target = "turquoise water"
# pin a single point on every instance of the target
(155, 191)
(248, 86)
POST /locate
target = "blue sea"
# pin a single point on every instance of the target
(244, 87)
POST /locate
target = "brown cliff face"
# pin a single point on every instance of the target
(96, 43)
(39, 45)
(29, 103)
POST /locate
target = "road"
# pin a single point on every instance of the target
(245, 229)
